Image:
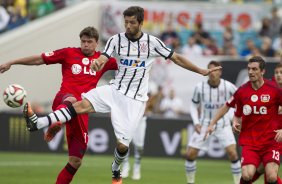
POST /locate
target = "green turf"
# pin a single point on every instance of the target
(28, 168)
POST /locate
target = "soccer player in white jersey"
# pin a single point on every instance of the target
(208, 97)
(126, 95)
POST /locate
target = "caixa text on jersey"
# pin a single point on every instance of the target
(132, 62)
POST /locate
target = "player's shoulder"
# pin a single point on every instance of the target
(244, 86)
(270, 83)
(201, 84)
(228, 83)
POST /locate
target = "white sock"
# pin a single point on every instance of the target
(236, 171)
(117, 160)
(63, 115)
(190, 167)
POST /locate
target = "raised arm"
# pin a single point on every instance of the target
(30, 60)
(185, 63)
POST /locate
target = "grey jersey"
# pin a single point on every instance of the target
(135, 58)
(210, 99)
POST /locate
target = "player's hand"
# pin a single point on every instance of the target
(209, 130)
(236, 127)
(278, 136)
(95, 65)
(208, 71)
(4, 67)
(198, 128)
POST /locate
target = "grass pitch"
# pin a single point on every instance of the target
(35, 168)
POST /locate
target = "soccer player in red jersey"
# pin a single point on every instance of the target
(251, 133)
(77, 78)
(256, 117)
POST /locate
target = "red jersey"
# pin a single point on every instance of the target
(77, 76)
(259, 112)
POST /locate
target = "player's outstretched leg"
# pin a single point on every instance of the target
(30, 118)
(33, 123)
(52, 131)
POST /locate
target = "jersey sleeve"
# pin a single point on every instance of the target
(110, 46)
(238, 105)
(160, 49)
(231, 102)
(196, 95)
(54, 57)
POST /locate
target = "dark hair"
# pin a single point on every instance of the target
(279, 65)
(215, 63)
(136, 11)
(258, 59)
(90, 32)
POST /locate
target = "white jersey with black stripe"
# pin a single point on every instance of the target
(209, 99)
(135, 59)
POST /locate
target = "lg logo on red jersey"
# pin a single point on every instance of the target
(247, 110)
(77, 68)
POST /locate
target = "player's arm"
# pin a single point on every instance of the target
(30, 60)
(195, 117)
(236, 123)
(99, 63)
(185, 63)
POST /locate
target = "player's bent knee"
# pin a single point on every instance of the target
(75, 161)
(122, 148)
(192, 153)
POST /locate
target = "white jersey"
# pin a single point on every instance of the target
(135, 58)
(209, 100)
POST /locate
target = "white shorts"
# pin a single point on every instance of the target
(126, 112)
(139, 137)
(224, 135)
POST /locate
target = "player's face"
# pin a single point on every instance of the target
(278, 75)
(132, 26)
(88, 45)
(254, 72)
(214, 76)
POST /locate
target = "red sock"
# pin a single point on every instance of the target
(66, 175)
(256, 176)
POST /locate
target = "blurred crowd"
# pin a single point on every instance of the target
(14, 13)
(267, 41)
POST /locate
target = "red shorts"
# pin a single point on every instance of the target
(76, 129)
(255, 156)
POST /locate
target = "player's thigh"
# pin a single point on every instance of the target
(250, 156)
(225, 136)
(126, 113)
(78, 128)
(101, 99)
(271, 154)
(197, 140)
(139, 136)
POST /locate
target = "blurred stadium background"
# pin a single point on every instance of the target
(233, 31)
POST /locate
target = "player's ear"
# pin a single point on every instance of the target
(263, 72)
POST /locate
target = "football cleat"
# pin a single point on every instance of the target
(116, 177)
(52, 131)
(30, 118)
